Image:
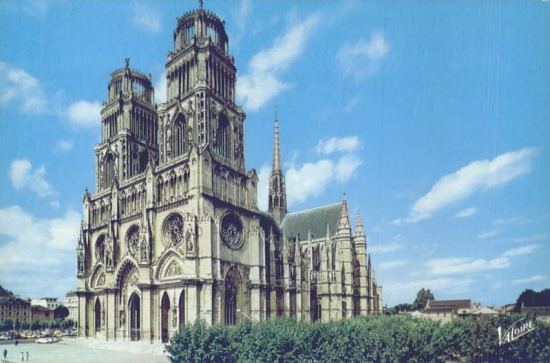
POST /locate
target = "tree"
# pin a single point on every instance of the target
(60, 312)
(422, 298)
(530, 298)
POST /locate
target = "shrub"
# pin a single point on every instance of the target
(362, 339)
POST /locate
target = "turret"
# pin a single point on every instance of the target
(129, 127)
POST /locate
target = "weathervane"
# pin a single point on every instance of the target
(127, 62)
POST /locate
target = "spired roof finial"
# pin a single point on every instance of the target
(127, 62)
(201, 4)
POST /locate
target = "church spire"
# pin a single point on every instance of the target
(277, 193)
(343, 221)
(276, 148)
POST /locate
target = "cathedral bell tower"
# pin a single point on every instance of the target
(277, 192)
(200, 110)
(129, 127)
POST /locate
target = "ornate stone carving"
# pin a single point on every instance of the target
(231, 231)
(100, 280)
(189, 241)
(109, 255)
(80, 261)
(173, 230)
(132, 240)
(173, 269)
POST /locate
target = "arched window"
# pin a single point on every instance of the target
(223, 142)
(97, 315)
(334, 257)
(108, 171)
(100, 248)
(178, 136)
(159, 189)
(232, 281)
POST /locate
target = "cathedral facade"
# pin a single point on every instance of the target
(173, 232)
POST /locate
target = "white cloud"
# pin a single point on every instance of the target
(479, 175)
(38, 247)
(24, 176)
(16, 85)
(487, 234)
(384, 248)
(392, 264)
(342, 144)
(308, 180)
(526, 280)
(533, 238)
(160, 88)
(363, 59)
(63, 145)
(453, 265)
(263, 186)
(36, 8)
(351, 104)
(510, 220)
(465, 213)
(84, 114)
(345, 167)
(261, 82)
(460, 265)
(525, 250)
(147, 18)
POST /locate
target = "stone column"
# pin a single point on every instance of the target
(110, 319)
(147, 311)
(192, 303)
(206, 303)
(83, 324)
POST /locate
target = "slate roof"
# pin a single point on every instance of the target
(315, 221)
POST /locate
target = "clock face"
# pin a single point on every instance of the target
(231, 231)
(173, 230)
(132, 238)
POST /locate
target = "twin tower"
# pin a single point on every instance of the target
(173, 233)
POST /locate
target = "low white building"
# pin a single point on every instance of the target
(71, 303)
(48, 302)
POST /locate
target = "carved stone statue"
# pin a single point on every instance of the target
(80, 261)
(108, 252)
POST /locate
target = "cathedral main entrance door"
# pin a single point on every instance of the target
(164, 315)
(134, 317)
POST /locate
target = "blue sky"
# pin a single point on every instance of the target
(432, 116)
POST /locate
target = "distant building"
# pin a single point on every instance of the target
(71, 303)
(484, 311)
(41, 314)
(47, 302)
(13, 308)
(445, 310)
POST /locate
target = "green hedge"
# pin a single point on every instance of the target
(365, 339)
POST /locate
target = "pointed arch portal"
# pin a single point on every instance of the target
(97, 315)
(164, 317)
(135, 314)
(232, 282)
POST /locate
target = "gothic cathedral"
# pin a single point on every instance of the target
(173, 232)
